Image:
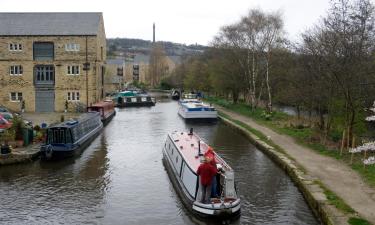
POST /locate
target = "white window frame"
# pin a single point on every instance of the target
(70, 68)
(18, 96)
(14, 68)
(15, 47)
(72, 47)
(73, 96)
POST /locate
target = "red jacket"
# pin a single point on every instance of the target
(206, 171)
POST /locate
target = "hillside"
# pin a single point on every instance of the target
(127, 46)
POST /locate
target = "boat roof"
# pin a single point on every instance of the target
(127, 93)
(196, 105)
(75, 121)
(188, 147)
(101, 104)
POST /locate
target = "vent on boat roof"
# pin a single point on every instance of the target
(71, 122)
(176, 140)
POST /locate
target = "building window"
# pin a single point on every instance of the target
(43, 51)
(15, 96)
(72, 47)
(73, 96)
(120, 71)
(72, 70)
(15, 47)
(16, 70)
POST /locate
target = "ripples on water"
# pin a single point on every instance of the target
(120, 179)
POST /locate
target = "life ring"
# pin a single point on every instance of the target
(49, 152)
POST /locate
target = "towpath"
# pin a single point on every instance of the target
(335, 175)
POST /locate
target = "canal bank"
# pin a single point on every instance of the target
(313, 173)
(20, 155)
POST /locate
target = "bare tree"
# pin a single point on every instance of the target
(158, 66)
(251, 41)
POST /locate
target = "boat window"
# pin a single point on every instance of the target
(68, 136)
(76, 134)
(59, 136)
(49, 136)
(177, 159)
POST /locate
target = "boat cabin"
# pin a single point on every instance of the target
(105, 108)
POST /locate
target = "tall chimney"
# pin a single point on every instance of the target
(153, 39)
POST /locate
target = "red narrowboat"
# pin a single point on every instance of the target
(105, 108)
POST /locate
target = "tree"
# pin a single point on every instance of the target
(251, 41)
(158, 67)
(341, 51)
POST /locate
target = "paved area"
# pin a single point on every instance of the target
(335, 175)
(20, 155)
(48, 118)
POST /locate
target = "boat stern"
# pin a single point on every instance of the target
(218, 208)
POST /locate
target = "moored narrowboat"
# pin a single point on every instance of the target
(70, 138)
(182, 155)
(105, 108)
(197, 111)
(138, 100)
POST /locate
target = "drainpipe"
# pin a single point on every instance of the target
(87, 77)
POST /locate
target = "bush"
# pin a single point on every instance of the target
(267, 116)
(37, 128)
(335, 135)
(17, 126)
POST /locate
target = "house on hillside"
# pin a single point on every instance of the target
(47, 59)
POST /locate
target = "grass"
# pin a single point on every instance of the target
(358, 221)
(337, 201)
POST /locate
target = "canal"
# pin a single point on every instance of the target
(120, 178)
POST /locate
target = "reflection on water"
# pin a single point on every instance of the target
(120, 179)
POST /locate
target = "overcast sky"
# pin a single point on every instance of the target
(182, 21)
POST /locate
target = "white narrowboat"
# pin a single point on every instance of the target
(182, 155)
(197, 110)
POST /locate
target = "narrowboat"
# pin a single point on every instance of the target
(134, 99)
(197, 111)
(105, 108)
(70, 138)
(182, 155)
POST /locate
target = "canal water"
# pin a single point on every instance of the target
(120, 178)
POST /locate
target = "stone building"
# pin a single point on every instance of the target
(48, 59)
(115, 75)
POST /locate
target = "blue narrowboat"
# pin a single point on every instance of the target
(71, 137)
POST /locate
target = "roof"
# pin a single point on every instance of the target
(74, 122)
(116, 61)
(140, 58)
(33, 24)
